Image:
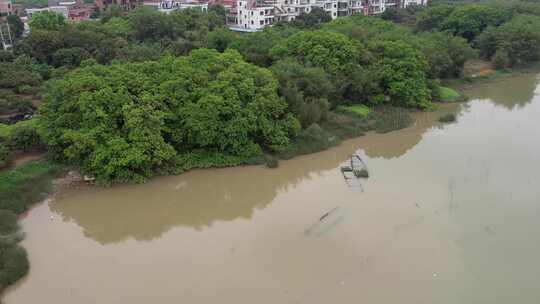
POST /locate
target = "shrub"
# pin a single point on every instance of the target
(346, 126)
(310, 140)
(24, 136)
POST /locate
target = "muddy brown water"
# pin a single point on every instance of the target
(450, 214)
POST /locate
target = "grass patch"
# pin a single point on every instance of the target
(27, 184)
(448, 118)
(448, 95)
(4, 131)
(360, 110)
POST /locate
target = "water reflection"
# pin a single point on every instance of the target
(199, 198)
(395, 144)
(195, 199)
(509, 92)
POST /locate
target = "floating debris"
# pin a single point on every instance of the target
(354, 170)
(326, 222)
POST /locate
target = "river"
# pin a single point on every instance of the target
(449, 214)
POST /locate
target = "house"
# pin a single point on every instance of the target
(126, 5)
(73, 11)
(167, 6)
(6, 7)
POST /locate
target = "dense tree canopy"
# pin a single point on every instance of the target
(328, 50)
(312, 20)
(129, 121)
(403, 72)
(307, 90)
(515, 42)
(47, 20)
(470, 20)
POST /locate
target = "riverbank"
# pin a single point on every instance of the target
(428, 208)
(484, 73)
(33, 181)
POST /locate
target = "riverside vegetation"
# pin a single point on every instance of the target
(134, 95)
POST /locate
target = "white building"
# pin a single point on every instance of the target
(57, 9)
(6, 7)
(167, 6)
(253, 15)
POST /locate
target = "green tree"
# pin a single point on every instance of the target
(432, 18)
(328, 50)
(47, 20)
(306, 90)
(515, 42)
(220, 39)
(16, 25)
(126, 122)
(255, 47)
(468, 21)
(314, 19)
(112, 11)
(70, 57)
(148, 24)
(41, 45)
(403, 74)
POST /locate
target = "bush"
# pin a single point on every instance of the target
(24, 136)
(346, 126)
(312, 139)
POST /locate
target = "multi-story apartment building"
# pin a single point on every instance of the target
(124, 4)
(253, 15)
(73, 11)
